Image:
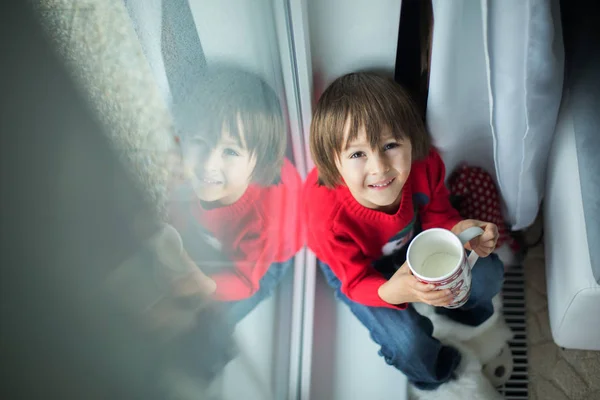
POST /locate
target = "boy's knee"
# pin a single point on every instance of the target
(426, 363)
(400, 354)
(403, 348)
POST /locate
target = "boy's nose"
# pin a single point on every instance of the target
(213, 161)
(378, 165)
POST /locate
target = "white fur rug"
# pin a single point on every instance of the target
(477, 345)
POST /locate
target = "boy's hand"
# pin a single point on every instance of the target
(187, 279)
(403, 287)
(187, 295)
(195, 282)
(483, 245)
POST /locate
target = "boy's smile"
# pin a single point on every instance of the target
(209, 181)
(382, 184)
(375, 177)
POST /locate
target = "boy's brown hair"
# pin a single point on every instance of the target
(363, 100)
(221, 98)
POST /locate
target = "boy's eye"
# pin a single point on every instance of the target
(357, 154)
(231, 152)
(389, 146)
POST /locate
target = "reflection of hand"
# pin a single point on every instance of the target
(187, 296)
(187, 288)
(483, 245)
(403, 287)
(195, 282)
(178, 267)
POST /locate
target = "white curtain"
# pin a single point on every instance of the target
(495, 90)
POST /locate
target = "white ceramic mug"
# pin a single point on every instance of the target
(438, 256)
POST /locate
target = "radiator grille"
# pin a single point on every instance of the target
(514, 313)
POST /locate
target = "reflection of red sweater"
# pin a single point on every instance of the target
(261, 228)
(349, 237)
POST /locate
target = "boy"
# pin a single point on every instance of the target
(238, 209)
(377, 183)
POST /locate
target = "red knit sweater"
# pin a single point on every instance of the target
(349, 237)
(261, 228)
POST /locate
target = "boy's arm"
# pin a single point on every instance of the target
(255, 252)
(239, 279)
(233, 282)
(278, 239)
(438, 212)
(365, 285)
(360, 281)
(236, 275)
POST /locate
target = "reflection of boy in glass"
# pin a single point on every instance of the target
(239, 220)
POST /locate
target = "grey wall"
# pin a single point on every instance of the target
(350, 35)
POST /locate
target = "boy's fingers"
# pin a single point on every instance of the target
(484, 250)
(437, 295)
(487, 245)
(445, 298)
(195, 283)
(487, 236)
(490, 234)
(423, 287)
(490, 242)
(444, 302)
(473, 243)
(487, 250)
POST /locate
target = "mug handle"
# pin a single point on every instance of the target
(466, 236)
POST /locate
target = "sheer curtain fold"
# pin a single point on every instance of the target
(495, 91)
(168, 35)
(147, 19)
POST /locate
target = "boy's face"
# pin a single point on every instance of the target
(375, 177)
(220, 173)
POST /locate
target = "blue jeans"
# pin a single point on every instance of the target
(210, 345)
(405, 335)
(235, 311)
